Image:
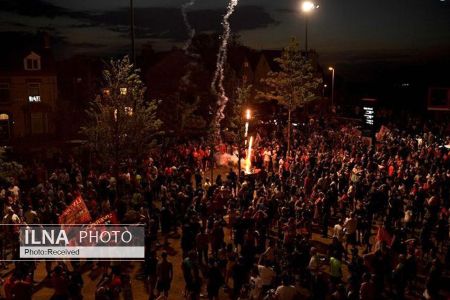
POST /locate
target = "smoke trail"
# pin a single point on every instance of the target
(186, 79)
(191, 31)
(217, 83)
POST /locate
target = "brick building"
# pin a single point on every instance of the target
(28, 93)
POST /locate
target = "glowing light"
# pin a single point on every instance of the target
(248, 160)
(330, 68)
(129, 110)
(123, 91)
(34, 98)
(308, 6)
(248, 117)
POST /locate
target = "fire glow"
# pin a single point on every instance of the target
(248, 160)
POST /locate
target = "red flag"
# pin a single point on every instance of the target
(76, 213)
(110, 218)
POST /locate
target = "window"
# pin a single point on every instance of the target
(34, 92)
(32, 62)
(123, 91)
(38, 123)
(128, 111)
(5, 94)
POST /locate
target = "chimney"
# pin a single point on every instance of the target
(46, 40)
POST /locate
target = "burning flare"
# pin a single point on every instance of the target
(248, 159)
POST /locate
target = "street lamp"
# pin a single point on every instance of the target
(132, 35)
(332, 84)
(307, 8)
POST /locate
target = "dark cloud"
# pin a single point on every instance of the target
(87, 45)
(16, 24)
(167, 23)
(38, 8)
(32, 8)
(151, 23)
(287, 11)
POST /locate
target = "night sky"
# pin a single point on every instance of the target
(340, 30)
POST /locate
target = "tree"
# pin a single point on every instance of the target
(186, 117)
(295, 84)
(8, 169)
(121, 123)
(238, 120)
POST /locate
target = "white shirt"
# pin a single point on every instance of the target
(267, 155)
(266, 274)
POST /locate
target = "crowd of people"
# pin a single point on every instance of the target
(338, 217)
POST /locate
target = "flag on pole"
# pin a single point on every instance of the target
(76, 213)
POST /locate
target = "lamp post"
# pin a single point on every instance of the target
(133, 51)
(307, 8)
(332, 84)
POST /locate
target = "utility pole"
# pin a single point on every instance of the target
(306, 35)
(133, 53)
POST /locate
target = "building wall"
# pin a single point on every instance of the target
(23, 114)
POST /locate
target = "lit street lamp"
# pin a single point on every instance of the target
(332, 84)
(307, 8)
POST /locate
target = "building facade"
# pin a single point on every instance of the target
(28, 95)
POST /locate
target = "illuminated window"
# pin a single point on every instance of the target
(123, 91)
(34, 92)
(129, 110)
(4, 117)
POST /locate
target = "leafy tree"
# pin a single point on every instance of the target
(8, 169)
(121, 123)
(295, 84)
(186, 117)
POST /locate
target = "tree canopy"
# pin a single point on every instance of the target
(294, 84)
(122, 124)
